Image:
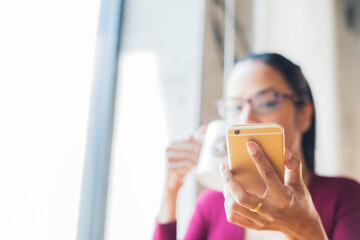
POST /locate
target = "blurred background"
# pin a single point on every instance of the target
(91, 93)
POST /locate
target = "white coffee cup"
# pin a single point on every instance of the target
(212, 153)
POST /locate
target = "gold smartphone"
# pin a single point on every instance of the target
(270, 136)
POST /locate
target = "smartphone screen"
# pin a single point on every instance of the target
(270, 136)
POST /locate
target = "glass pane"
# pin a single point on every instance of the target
(158, 101)
(46, 61)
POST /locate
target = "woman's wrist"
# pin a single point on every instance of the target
(312, 230)
(316, 230)
(168, 207)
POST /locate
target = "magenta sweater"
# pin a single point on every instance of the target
(337, 201)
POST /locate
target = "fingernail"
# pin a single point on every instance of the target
(222, 167)
(288, 154)
(251, 148)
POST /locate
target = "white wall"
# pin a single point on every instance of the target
(348, 89)
(312, 34)
(303, 31)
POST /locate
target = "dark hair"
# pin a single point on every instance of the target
(297, 82)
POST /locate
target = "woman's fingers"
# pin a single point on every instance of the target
(234, 207)
(199, 133)
(240, 220)
(175, 156)
(184, 146)
(182, 153)
(293, 170)
(181, 156)
(241, 197)
(180, 161)
(266, 170)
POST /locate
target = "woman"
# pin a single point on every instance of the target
(304, 206)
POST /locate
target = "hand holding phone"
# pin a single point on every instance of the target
(270, 136)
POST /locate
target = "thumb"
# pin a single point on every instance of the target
(199, 134)
(293, 170)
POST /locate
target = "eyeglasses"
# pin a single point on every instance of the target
(264, 102)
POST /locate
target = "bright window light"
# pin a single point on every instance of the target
(46, 60)
(140, 138)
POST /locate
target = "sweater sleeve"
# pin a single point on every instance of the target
(165, 231)
(197, 228)
(348, 214)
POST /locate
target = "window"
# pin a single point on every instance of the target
(47, 56)
(158, 101)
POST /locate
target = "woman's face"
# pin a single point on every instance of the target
(250, 78)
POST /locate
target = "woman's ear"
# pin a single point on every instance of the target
(305, 117)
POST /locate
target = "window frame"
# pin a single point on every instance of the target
(95, 178)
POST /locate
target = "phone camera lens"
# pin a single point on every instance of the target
(237, 131)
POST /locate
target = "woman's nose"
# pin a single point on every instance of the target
(248, 115)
